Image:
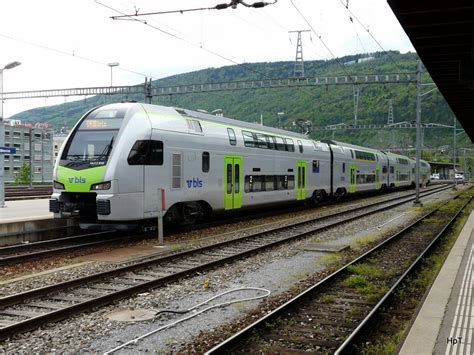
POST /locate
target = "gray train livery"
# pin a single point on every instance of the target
(124, 163)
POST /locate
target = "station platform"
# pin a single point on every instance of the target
(30, 220)
(445, 323)
(25, 210)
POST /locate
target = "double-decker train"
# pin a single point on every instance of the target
(124, 163)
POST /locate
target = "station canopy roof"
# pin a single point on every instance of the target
(442, 32)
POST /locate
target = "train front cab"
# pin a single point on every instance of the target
(79, 173)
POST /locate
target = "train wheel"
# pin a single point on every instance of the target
(317, 197)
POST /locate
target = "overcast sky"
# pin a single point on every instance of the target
(68, 43)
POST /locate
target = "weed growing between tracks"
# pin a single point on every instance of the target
(394, 320)
(333, 261)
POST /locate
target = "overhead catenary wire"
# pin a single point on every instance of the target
(322, 41)
(346, 6)
(72, 54)
(233, 4)
(172, 324)
(199, 46)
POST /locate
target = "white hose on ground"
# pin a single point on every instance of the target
(135, 340)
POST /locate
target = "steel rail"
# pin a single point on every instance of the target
(352, 338)
(60, 314)
(61, 241)
(239, 338)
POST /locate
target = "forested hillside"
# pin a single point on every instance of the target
(321, 105)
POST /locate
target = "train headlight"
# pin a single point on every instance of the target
(57, 185)
(102, 186)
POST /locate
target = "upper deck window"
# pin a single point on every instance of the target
(232, 138)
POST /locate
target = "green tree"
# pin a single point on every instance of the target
(23, 176)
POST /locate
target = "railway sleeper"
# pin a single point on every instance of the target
(20, 313)
(70, 298)
(333, 322)
(300, 340)
(44, 305)
(128, 281)
(142, 277)
(280, 350)
(106, 287)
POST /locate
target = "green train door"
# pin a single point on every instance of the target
(300, 180)
(233, 182)
(377, 178)
(352, 183)
(397, 177)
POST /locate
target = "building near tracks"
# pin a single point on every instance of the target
(34, 144)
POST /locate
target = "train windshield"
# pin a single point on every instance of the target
(92, 143)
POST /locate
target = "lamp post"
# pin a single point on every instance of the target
(279, 114)
(111, 65)
(2, 130)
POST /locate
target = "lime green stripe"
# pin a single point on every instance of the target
(80, 180)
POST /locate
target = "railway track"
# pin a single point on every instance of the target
(330, 316)
(28, 310)
(30, 251)
(13, 193)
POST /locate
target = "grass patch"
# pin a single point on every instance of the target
(356, 281)
(386, 345)
(328, 259)
(327, 298)
(370, 271)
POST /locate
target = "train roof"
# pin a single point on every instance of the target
(223, 120)
(353, 146)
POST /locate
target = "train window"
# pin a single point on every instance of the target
(365, 155)
(315, 166)
(282, 182)
(205, 162)
(290, 146)
(258, 183)
(413, 170)
(237, 178)
(176, 171)
(197, 126)
(300, 145)
(146, 153)
(229, 178)
(384, 169)
(291, 182)
(280, 143)
(352, 154)
(248, 139)
(261, 140)
(343, 167)
(232, 138)
(270, 182)
(392, 170)
(271, 142)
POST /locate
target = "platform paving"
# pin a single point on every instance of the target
(25, 210)
(445, 323)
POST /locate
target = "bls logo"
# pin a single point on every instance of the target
(77, 180)
(195, 183)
